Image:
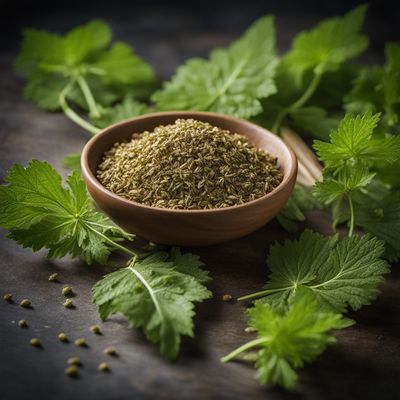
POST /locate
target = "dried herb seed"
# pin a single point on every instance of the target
(62, 337)
(67, 290)
(74, 361)
(95, 329)
(189, 165)
(36, 342)
(227, 297)
(68, 304)
(81, 342)
(22, 323)
(8, 297)
(53, 277)
(111, 351)
(72, 371)
(104, 367)
(25, 303)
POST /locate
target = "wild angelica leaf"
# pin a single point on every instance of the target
(348, 181)
(289, 338)
(353, 143)
(50, 60)
(341, 273)
(121, 65)
(232, 81)
(40, 213)
(382, 219)
(325, 47)
(128, 108)
(72, 161)
(155, 296)
(85, 40)
(189, 264)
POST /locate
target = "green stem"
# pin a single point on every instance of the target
(247, 346)
(298, 103)
(263, 293)
(71, 114)
(130, 252)
(87, 94)
(351, 229)
(151, 291)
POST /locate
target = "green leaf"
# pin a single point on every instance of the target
(299, 202)
(288, 339)
(348, 181)
(382, 219)
(341, 273)
(313, 121)
(232, 81)
(155, 296)
(85, 40)
(44, 89)
(353, 143)
(72, 161)
(121, 65)
(40, 213)
(128, 108)
(325, 47)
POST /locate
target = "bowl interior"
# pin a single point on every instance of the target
(257, 135)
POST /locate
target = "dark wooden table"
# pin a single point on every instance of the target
(365, 364)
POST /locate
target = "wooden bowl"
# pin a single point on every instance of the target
(188, 227)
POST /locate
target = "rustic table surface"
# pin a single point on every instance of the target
(365, 363)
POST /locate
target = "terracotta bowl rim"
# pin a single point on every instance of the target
(91, 178)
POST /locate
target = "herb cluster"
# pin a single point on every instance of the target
(315, 90)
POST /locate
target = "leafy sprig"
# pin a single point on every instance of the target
(288, 338)
(157, 291)
(79, 67)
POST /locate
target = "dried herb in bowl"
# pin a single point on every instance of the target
(189, 165)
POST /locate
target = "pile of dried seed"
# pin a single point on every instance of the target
(188, 165)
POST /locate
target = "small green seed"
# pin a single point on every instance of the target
(36, 342)
(69, 304)
(67, 290)
(227, 297)
(81, 342)
(8, 297)
(104, 367)
(22, 323)
(71, 371)
(111, 351)
(53, 277)
(25, 303)
(74, 361)
(62, 337)
(95, 329)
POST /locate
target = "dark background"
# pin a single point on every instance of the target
(365, 362)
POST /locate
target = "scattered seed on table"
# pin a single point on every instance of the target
(81, 342)
(111, 351)
(95, 329)
(69, 304)
(72, 371)
(249, 329)
(227, 297)
(53, 277)
(8, 297)
(36, 342)
(25, 303)
(62, 337)
(22, 323)
(74, 361)
(67, 290)
(104, 367)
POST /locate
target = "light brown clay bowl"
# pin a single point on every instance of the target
(189, 227)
